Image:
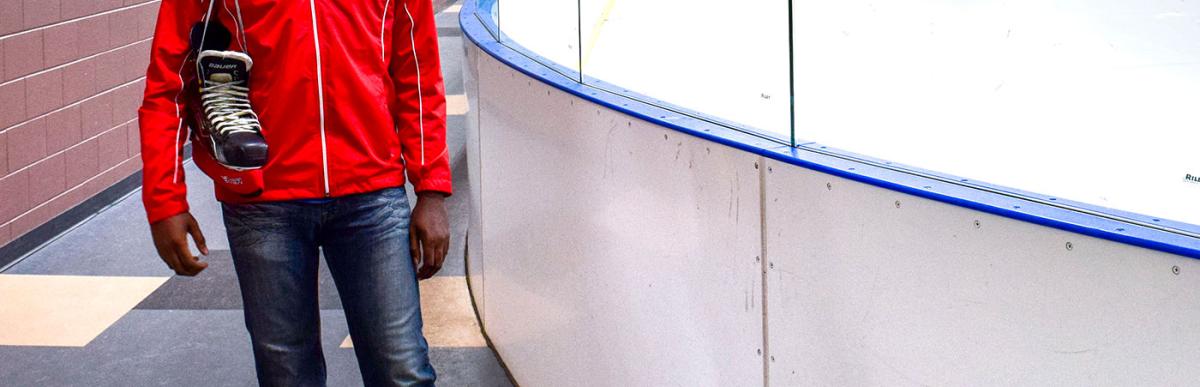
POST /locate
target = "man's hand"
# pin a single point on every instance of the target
(170, 238)
(429, 237)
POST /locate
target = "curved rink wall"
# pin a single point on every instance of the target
(615, 243)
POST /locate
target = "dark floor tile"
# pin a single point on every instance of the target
(205, 348)
(217, 288)
(468, 367)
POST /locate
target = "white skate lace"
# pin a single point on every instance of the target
(227, 107)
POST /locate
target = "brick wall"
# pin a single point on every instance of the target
(71, 78)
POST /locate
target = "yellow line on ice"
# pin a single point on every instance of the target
(595, 35)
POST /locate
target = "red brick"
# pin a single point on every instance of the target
(14, 189)
(63, 129)
(109, 5)
(12, 98)
(123, 27)
(79, 81)
(113, 148)
(11, 16)
(110, 69)
(126, 101)
(92, 186)
(23, 54)
(43, 93)
(79, 8)
(83, 162)
(47, 178)
(93, 35)
(107, 179)
(96, 114)
(61, 44)
(75, 195)
(5, 234)
(139, 61)
(39, 215)
(40, 12)
(3, 153)
(126, 168)
(76, 8)
(147, 19)
(134, 138)
(26, 144)
(129, 167)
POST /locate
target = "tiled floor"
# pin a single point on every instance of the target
(97, 307)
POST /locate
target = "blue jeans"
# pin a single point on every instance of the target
(365, 241)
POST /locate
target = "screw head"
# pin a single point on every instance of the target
(772, 265)
(1070, 246)
(977, 225)
(897, 204)
(757, 258)
(1175, 270)
(760, 352)
(770, 169)
(755, 165)
(829, 186)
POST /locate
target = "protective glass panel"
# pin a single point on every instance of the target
(718, 58)
(549, 29)
(1092, 101)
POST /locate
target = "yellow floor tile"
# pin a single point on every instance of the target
(448, 314)
(66, 311)
(456, 104)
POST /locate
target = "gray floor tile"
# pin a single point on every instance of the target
(452, 70)
(117, 240)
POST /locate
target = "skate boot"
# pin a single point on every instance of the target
(224, 118)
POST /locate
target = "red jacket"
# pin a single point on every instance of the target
(349, 94)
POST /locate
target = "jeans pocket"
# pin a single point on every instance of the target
(249, 224)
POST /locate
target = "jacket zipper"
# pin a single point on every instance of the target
(320, 97)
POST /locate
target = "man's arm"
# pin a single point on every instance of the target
(163, 134)
(420, 111)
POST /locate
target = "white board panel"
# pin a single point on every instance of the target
(617, 252)
(865, 291)
(475, 250)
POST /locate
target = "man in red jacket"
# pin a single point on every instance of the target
(350, 99)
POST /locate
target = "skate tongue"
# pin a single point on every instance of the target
(224, 66)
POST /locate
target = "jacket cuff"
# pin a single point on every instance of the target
(435, 185)
(159, 211)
